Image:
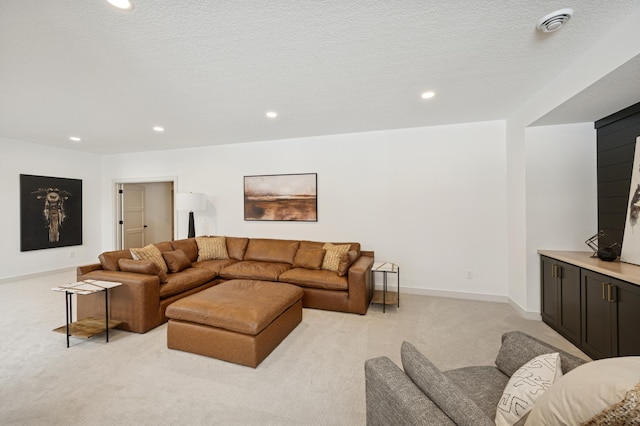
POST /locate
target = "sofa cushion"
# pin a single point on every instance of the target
(519, 348)
(176, 260)
(212, 248)
(142, 267)
(188, 246)
(251, 270)
(346, 261)
(444, 393)
(315, 279)
(185, 280)
(236, 247)
(525, 387)
(269, 250)
(333, 255)
(109, 259)
(214, 265)
(150, 252)
(584, 393)
(164, 246)
(484, 385)
(308, 258)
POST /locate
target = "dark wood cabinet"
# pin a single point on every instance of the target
(628, 342)
(560, 297)
(599, 312)
(610, 316)
(607, 302)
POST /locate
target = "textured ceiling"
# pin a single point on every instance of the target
(208, 70)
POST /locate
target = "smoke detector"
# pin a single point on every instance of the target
(554, 20)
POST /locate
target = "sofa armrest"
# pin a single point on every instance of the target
(393, 399)
(136, 302)
(518, 348)
(359, 277)
(85, 269)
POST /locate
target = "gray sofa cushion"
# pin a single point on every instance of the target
(444, 393)
(484, 385)
(519, 348)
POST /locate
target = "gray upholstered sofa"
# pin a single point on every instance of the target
(464, 396)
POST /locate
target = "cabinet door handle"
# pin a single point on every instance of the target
(610, 298)
(604, 291)
(556, 271)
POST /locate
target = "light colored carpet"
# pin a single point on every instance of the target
(315, 377)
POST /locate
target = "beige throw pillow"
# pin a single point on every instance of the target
(525, 386)
(586, 391)
(625, 412)
(152, 253)
(332, 256)
(212, 248)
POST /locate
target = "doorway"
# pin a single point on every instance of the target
(145, 213)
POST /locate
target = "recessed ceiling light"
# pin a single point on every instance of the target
(554, 20)
(121, 4)
(427, 95)
(158, 129)
(75, 139)
(272, 114)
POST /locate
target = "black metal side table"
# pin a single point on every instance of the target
(86, 327)
(385, 297)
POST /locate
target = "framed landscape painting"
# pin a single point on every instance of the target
(290, 197)
(50, 212)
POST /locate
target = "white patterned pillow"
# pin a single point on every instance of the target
(212, 248)
(332, 256)
(526, 386)
(151, 253)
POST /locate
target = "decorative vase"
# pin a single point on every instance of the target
(607, 254)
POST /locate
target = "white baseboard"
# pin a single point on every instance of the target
(467, 296)
(36, 275)
(449, 294)
(530, 315)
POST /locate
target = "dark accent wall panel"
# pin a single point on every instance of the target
(617, 135)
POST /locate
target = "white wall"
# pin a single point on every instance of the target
(562, 208)
(598, 61)
(25, 158)
(431, 199)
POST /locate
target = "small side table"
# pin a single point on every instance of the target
(86, 327)
(381, 297)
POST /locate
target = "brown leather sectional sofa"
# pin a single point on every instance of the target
(140, 303)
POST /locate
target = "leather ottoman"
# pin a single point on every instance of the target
(240, 321)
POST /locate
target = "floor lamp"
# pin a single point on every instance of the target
(190, 201)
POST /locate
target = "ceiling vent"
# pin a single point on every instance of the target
(554, 21)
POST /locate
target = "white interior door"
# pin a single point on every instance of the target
(133, 216)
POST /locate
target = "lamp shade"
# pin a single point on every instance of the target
(190, 201)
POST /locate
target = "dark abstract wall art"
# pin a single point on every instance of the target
(50, 212)
(291, 197)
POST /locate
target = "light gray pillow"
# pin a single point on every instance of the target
(445, 394)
